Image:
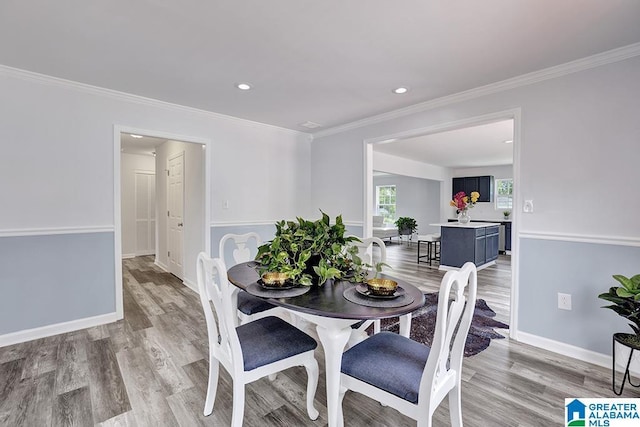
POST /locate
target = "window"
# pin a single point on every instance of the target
(386, 202)
(504, 193)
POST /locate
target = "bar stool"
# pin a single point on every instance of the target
(433, 247)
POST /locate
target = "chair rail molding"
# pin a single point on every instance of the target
(49, 231)
(581, 238)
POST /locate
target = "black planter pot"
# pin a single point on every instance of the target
(313, 262)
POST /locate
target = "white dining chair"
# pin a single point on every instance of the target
(235, 249)
(366, 248)
(410, 376)
(251, 351)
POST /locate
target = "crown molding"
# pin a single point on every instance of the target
(604, 58)
(136, 99)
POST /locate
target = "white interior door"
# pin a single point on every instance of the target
(145, 186)
(175, 202)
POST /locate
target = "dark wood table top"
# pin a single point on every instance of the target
(327, 300)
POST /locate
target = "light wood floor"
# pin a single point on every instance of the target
(150, 369)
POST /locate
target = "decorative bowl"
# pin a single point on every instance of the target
(275, 280)
(382, 287)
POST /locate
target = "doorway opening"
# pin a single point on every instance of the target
(381, 157)
(162, 203)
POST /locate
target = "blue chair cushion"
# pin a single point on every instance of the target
(390, 362)
(270, 339)
(250, 304)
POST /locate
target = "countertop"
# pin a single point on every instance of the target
(467, 225)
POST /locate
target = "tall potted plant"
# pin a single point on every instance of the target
(626, 302)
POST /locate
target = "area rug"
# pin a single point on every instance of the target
(423, 323)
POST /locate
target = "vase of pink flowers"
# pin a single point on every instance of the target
(463, 203)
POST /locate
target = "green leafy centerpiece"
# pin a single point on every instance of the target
(308, 251)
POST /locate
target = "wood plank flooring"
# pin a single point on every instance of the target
(150, 369)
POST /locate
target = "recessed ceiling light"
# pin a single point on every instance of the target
(508, 141)
(243, 86)
(310, 125)
(136, 136)
(400, 90)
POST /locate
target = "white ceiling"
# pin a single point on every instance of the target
(329, 62)
(145, 146)
(476, 146)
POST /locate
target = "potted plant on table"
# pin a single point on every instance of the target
(406, 225)
(307, 251)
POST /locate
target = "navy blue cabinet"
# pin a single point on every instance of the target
(481, 184)
(461, 244)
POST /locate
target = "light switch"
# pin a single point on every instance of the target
(528, 206)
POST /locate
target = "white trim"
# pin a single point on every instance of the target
(604, 58)
(581, 238)
(219, 224)
(128, 97)
(56, 230)
(569, 350)
(161, 266)
(189, 284)
(55, 329)
(128, 256)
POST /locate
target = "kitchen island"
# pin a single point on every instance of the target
(475, 241)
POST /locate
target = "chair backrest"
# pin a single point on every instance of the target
(214, 286)
(442, 371)
(378, 221)
(242, 249)
(365, 249)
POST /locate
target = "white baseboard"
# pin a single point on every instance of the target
(58, 328)
(567, 350)
(161, 265)
(189, 284)
(128, 256)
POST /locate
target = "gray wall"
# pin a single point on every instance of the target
(54, 279)
(416, 198)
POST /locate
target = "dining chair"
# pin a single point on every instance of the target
(235, 249)
(250, 351)
(412, 377)
(366, 248)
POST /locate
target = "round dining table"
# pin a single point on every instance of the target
(333, 314)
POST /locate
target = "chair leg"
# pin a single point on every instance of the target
(312, 385)
(405, 325)
(455, 406)
(238, 404)
(343, 391)
(376, 326)
(212, 387)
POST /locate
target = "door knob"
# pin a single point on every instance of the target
(180, 224)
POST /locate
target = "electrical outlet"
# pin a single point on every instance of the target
(564, 301)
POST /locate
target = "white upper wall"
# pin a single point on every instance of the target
(58, 153)
(578, 150)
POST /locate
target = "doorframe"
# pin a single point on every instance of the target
(514, 114)
(208, 155)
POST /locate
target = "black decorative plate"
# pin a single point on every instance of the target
(364, 290)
